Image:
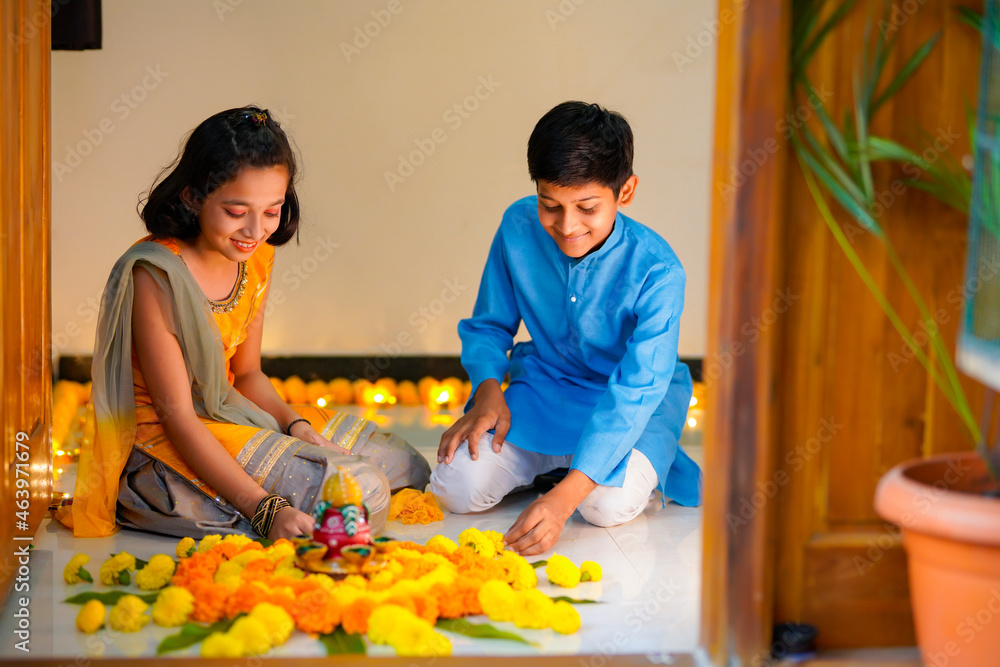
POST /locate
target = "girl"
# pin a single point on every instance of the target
(192, 438)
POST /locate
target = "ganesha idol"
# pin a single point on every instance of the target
(342, 532)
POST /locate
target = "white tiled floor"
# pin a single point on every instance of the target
(649, 595)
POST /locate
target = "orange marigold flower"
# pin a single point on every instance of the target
(225, 550)
(197, 567)
(404, 601)
(252, 546)
(355, 616)
(426, 607)
(259, 570)
(245, 598)
(315, 612)
(460, 598)
(209, 601)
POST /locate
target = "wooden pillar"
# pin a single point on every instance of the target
(748, 192)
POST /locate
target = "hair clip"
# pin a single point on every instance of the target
(258, 117)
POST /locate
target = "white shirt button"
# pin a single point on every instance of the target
(573, 299)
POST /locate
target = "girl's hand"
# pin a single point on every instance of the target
(490, 411)
(304, 431)
(290, 522)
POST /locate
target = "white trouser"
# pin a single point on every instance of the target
(465, 485)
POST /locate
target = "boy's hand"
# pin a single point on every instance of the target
(542, 522)
(290, 522)
(539, 526)
(490, 411)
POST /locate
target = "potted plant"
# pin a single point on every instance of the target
(945, 505)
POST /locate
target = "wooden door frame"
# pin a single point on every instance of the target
(737, 580)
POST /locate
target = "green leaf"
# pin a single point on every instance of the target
(108, 597)
(84, 575)
(563, 598)
(264, 542)
(539, 563)
(139, 563)
(339, 642)
(971, 17)
(191, 634)
(801, 56)
(124, 578)
(832, 166)
(906, 71)
(460, 626)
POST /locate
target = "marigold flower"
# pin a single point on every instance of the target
(498, 600)
(236, 539)
(128, 614)
(209, 600)
(590, 571)
(221, 645)
(156, 574)
(442, 544)
(207, 542)
(252, 634)
(497, 538)
(355, 616)
(245, 598)
(410, 635)
(411, 506)
(562, 572)
(112, 568)
(565, 619)
(173, 607)
(90, 618)
(355, 580)
(519, 572)
(277, 622)
(185, 547)
(460, 598)
(533, 610)
(316, 612)
(480, 542)
(74, 572)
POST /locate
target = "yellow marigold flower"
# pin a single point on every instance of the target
(228, 569)
(156, 574)
(481, 543)
(441, 542)
(498, 600)
(128, 614)
(406, 632)
(355, 581)
(91, 617)
(250, 631)
(173, 607)
(114, 566)
(561, 571)
(497, 538)
(237, 539)
(565, 619)
(221, 645)
(245, 558)
(186, 547)
(208, 542)
(590, 571)
(74, 571)
(276, 620)
(533, 610)
(280, 550)
(289, 570)
(520, 574)
(323, 581)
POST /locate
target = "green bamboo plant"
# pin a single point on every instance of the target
(836, 160)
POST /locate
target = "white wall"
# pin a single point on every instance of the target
(119, 115)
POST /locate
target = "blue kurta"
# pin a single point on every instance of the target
(600, 375)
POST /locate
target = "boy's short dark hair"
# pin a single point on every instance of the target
(577, 143)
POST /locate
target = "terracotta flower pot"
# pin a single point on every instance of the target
(951, 532)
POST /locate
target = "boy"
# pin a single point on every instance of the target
(599, 387)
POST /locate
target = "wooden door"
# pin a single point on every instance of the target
(853, 401)
(25, 363)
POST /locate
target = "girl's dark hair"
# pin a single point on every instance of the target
(213, 155)
(577, 143)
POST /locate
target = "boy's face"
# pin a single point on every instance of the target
(580, 218)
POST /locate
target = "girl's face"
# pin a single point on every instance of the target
(241, 214)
